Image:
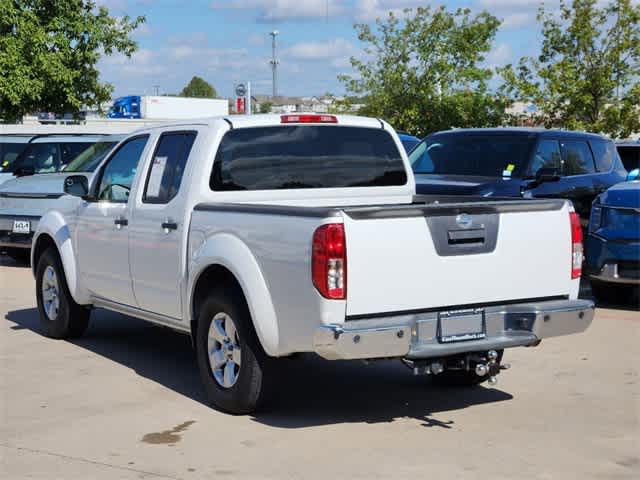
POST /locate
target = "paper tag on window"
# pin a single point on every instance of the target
(155, 178)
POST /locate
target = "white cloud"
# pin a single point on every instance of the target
(499, 55)
(336, 53)
(283, 10)
(320, 50)
(257, 39)
(515, 13)
(508, 4)
(517, 20)
(370, 10)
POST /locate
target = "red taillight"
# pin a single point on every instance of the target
(329, 261)
(307, 118)
(576, 245)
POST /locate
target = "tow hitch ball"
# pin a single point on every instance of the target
(481, 365)
(491, 368)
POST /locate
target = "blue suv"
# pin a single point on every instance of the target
(613, 243)
(518, 162)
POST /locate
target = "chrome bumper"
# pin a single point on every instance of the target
(610, 274)
(415, 336)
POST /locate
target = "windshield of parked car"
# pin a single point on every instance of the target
(408, 143)
(8, 153)
(483, 155)
(309, 156)
(48, 157)
(89, 159)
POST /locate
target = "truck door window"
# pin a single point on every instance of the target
(117, 175)
(547, 156)
(167, 166)
(577, 158)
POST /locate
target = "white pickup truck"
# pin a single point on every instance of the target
(264, 236)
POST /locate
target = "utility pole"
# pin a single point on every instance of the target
(156, 88)
(274, 62)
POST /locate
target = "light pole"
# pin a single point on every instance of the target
(274, 61)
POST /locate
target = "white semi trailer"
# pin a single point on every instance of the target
(170, 108)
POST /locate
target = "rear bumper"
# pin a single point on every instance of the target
(415, 336)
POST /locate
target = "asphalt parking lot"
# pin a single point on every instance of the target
(125, 402)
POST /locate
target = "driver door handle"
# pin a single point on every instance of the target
(168, 225)
(121, 222)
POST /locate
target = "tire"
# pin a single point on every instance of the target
(60, 315)
(238, 384)
(20, 255)
(461, 378)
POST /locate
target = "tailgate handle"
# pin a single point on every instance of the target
(461, 237)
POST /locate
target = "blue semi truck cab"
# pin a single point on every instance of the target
(126, 107)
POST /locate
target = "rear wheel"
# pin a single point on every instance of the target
(60, 315)
(461, 378)
(232, 363)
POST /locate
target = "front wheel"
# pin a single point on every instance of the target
(232, 363)
(60, 315)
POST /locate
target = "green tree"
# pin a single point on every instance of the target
(265, 107)
(198, 88)
(587, 75)
(424, 73)
(49, 51)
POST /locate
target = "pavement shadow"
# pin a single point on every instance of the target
(626, 300)
(310, 391)
(7, 261)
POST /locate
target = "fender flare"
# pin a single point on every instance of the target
(53, 225)
(230, 252)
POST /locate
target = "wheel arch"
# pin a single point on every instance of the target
(233, 265)
(54, 232)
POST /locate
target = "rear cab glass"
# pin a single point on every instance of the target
(306, 156)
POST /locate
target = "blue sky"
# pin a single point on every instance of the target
(227, 41)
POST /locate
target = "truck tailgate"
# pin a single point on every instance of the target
(452, 255)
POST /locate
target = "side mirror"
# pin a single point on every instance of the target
(633, 175)
(24, 171)
(76, 185)
(547, 175)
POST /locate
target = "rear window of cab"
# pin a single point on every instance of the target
(306, 156)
